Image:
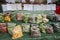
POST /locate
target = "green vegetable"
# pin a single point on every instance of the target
(1, 18)
(26, 27)
(11, 27)
(26, 18)
(13, 17)
(42, 28)
(39, 19)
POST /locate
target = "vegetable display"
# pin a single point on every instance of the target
(17, 24)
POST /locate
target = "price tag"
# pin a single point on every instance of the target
(49, 7)
(4, 7)
(49, 1)
(53, 6)
(18, 6)
(36, 7)
(43, 7)
(28, 7)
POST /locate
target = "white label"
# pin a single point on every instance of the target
(43, 7)
(36, 7)
(28, 7)
(4, 7)
(49, 7)
(18, 6)
(49, 1)
(53, 7)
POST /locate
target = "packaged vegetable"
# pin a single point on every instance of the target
(42, 28)
(32, 18)
(56, 27)
(49, 29)
(1, 17)
(26, 27)
(17, 32)
(7, 17)
(53, 18)
(10, 27)
(26, 18)
(3, 27)
(13, 17)
(38, 19)
(35, 32)
(44, 18)
(19, 16)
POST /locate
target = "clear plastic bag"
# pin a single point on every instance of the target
(35, 32)
(10, 27)
(49, 29)
(19, 16)
(26, 27)
(3, 27)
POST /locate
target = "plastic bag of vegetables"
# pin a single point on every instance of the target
(26, 27)
(13, 17)
(7, 17)
(42, 28)
(1, 17)
(10, 27)
(53, 17)
(56, 27)
(26, 17)
(49, 29)
(38, 19)
(19, 16)
(17, 32)
(32, 18)
(44, 18)
(3, 27)
(35, 32)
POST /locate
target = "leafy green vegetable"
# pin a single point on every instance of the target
(1, 18)
(42, 28)
(11, 27)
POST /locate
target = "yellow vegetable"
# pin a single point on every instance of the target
(7, 18)
(17, 32)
